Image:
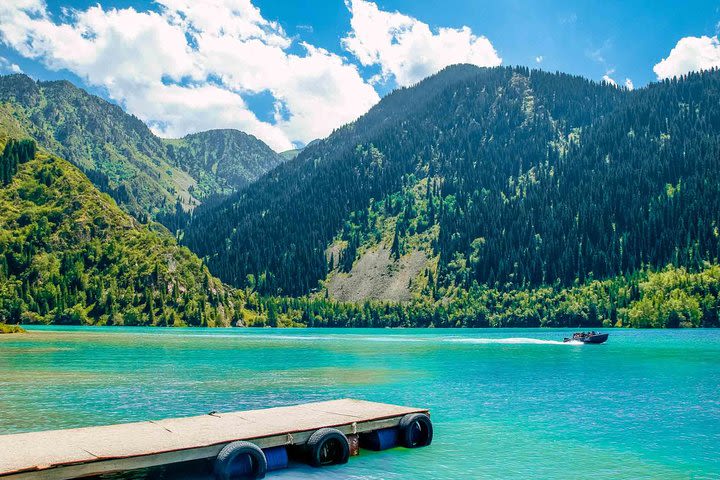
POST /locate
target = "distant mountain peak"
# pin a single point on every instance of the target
(230, 158)
(148, 175)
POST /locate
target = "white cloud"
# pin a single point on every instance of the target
(407, 49)
(539, 59)
(691, 54)
(186, 67)
(608, 79)
(7, 66)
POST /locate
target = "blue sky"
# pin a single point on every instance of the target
(291, 71)
(588, 38)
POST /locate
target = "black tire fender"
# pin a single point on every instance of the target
(232, 452)
(416, 430)
(328, 446)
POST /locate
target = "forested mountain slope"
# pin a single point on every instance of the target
(119, 153)
(69, 255)
(222, 160)
(506, 177)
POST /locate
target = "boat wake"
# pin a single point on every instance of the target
(511, 341)
(262, 337)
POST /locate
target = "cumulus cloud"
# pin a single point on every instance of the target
(187, 66)
(7, 66)
(608, 79)
(690, 54)
(611, 81)
(406, 49)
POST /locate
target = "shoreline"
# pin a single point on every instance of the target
(38, 327)
(11, 329)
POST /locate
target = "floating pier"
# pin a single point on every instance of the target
(244, 444)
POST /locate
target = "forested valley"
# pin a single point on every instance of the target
(497, 197)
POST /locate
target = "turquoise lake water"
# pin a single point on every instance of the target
(509, 403)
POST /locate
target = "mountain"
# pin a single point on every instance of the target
(291, 154)
(505, 177)
(119, 153)
(69, 255)
(222, 160)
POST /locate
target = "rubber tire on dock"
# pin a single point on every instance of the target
(416, 430)
(227, 469)
(328, 446)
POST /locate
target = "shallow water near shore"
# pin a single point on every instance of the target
(506, 403)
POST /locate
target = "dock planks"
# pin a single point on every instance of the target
(61, 454)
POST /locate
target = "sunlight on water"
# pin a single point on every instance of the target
(506, 403)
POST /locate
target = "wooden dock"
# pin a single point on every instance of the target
(73, 453)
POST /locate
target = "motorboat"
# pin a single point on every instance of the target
(587, 337)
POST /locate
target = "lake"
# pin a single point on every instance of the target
(506, 403)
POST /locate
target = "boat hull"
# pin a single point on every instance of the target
(594, 339)
(602, 338)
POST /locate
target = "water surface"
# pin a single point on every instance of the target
(508, 403)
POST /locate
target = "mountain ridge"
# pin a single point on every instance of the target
(211, 156)
(69, 255)
(479, 197)
(499, 146)
(120, 154)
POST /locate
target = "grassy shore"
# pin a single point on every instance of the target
(10, 329)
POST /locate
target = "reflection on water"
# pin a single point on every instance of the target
(514, 403)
